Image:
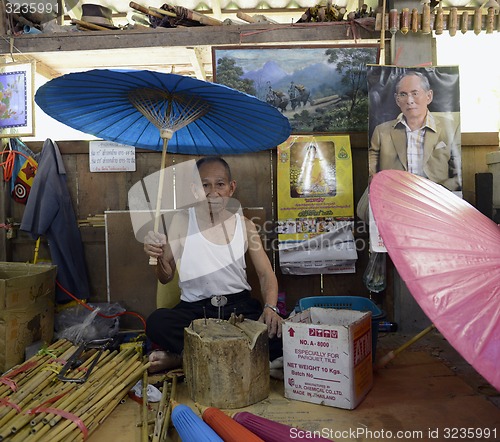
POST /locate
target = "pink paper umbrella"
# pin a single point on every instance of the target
(272, 431)
(448, 254)
(190, 426)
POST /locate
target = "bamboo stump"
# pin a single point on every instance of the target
(226, 366)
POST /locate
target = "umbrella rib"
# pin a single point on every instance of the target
(167, 111)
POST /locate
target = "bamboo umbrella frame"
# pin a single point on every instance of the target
(174, 374)
(66, 426)
(160, 415)
(77, 407)
(36, 406)
(144, 432)
(30, 394)
(38, 396)
(32, 384)
(5, 389)
(87, 389)
(98, 408)
(158, 107)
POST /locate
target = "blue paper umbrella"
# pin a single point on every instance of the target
(191, 427)
(149, 110)
(156, 111)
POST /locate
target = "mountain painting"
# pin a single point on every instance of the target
(320, 89)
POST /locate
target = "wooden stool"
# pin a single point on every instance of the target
(226, 365)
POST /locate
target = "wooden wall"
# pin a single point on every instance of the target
(95, 193)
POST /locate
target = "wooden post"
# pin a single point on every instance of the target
(226, 366)
(3, 18)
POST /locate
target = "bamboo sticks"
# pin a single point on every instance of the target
(89, 26)
(92, 221)
(160, 415)
(174, 374)
(35, 406)
(144, 432)
(144, 10)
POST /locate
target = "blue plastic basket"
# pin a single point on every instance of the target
(348, 303)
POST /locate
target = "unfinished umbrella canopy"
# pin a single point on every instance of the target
(448, 254)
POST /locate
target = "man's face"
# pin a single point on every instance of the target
(217, 187)
(411, 98)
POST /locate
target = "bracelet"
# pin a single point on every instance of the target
(272, 307)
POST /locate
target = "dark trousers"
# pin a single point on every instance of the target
(165, 327)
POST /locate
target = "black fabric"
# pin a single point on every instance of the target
(49, 211)
(165, 327)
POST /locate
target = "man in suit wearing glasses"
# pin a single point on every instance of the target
(417, 141)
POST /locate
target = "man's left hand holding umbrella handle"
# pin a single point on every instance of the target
(157, 248)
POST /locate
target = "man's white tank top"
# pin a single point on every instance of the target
(209, 269)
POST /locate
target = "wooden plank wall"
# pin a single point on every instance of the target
(95, 193)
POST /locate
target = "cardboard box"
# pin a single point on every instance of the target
(26, 309)
(327, 357)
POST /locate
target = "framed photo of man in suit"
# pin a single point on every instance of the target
(414, 122)
(414, 125)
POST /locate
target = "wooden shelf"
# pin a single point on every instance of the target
(200, 36)
(185, 51)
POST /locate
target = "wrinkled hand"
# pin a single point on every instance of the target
(154, 244)
(273, 321)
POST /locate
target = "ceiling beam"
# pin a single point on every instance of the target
(196, 59)
(45, 70)
(216, 9)
(42, 68)
(201, 36)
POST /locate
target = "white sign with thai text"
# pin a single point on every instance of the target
(107, 156)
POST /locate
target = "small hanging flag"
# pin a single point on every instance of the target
(23, 172)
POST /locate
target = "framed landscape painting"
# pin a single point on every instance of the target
(320, 89)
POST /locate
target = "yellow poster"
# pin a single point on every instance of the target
(315, 190)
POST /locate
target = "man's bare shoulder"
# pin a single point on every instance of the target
(180, 215)
(179, 225)
(249, 224)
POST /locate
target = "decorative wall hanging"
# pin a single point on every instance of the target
(315, 205)
(16, 99)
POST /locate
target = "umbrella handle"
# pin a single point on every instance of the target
(383, 361)
(152, 260)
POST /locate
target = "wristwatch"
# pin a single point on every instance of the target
(273, 308)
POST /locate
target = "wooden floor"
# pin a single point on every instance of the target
(427, 391)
